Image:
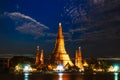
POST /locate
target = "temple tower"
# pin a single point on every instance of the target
(41, 57)
(78, 59)
(37, 61)
(60, 55)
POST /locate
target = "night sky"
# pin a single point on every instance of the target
(92, 24)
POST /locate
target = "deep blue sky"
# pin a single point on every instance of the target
(92, 24)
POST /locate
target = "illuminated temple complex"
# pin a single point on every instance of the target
(59, 55)
(58, 61)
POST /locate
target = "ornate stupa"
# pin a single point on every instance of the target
(78, 59)
(60, 55)
(37, 58)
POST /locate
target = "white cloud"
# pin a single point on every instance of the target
(77, 30)
(27, 25)
(51, 34)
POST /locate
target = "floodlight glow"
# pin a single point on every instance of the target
(115, 76)
(27, 68)
(18, 67)
(60, 68)
(116, 67)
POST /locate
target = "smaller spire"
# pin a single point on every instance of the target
(79, 47)
(42, 51)
(76, 53)
(42, 57)
(60, 24)
(79, 51)
(38, 47)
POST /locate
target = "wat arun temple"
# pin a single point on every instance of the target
(60, 61)
(59, 55)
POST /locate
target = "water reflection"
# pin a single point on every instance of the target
(69, 76)
(115, 76)
(60, 76)
(26, 76)
(64, 76)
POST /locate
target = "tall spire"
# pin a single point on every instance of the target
(60, 46)
(60, 55)
(60, 35)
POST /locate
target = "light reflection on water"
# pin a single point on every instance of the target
(26, 76)
(115, 76)
(63, 76)
(69, 76)
(60, 76)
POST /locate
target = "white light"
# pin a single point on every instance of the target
(26, 76)
(115, 76)
(60, 68)
(27, 68)
(116, 67)
(60, 76)
(60, 24)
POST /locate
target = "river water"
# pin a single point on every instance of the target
(59, 76)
